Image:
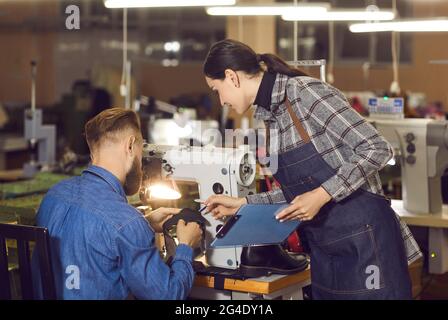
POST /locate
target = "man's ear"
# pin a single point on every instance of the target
(130, 144)
(233, 76)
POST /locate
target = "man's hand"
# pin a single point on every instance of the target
(158, 217)
(189, 233)
(305, 206)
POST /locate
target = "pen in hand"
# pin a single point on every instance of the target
(202, 209)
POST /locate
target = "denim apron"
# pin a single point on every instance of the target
(356, 247)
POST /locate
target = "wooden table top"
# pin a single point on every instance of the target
(11, 175)
(435, 220)
(262, 285)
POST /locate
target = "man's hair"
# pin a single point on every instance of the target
(106, 125)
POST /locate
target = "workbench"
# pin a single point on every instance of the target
(21, 199)
(433, 220)
(284, 287)
(11, 175)
(10, 143)
(437, 224)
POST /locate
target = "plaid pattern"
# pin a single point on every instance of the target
(347, 142)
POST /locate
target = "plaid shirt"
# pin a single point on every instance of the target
(345, 140)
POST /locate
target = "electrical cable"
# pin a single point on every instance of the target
(395, 86)
(125, 51)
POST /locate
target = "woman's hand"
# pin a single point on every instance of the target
(220, 205)
(158, 217)
(305, 206)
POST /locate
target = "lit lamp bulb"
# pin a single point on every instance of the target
(166, 190)
(391, 162)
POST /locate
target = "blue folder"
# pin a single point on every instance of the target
(255, 224)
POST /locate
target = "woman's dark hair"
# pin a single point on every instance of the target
(237, 56)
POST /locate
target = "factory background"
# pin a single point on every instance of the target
(80, 71)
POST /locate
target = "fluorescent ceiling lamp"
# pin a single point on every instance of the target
(165, 3)
(267, 9)
(433, 25)
(339, 15)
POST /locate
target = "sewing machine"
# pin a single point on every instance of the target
(182, 129)
(421, 148)
(42, 137)
(169, 132)
(227, 171)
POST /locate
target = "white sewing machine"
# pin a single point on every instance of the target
(421, 149)
(421, 146)
(227, 171)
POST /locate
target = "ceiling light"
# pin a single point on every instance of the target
(267, 9)
(339, 15)
(165, 3)
(433, 25)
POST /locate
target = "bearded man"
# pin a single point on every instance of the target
(102, 247)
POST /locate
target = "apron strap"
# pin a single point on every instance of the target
(268, 138)
(302, 132)
(300, 129)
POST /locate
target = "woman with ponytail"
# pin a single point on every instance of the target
(328, 163)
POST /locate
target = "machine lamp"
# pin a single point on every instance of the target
(392, 162)
(163, 190)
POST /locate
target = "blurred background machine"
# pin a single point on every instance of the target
(41, 138)
(421, 152)
(167, 124)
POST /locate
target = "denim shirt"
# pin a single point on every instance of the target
(103, 248)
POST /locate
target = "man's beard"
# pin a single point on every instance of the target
(133, 178)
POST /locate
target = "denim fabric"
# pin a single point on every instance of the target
(357, 251)
(96, 232)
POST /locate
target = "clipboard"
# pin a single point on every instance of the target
(255, 224)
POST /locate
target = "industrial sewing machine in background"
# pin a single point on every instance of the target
(421, 150)
(227, 171)
(42, 138)
(182, 128)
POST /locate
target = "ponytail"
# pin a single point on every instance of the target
(237, 56)
(275, 64)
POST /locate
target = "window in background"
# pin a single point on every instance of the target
(155, 34)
